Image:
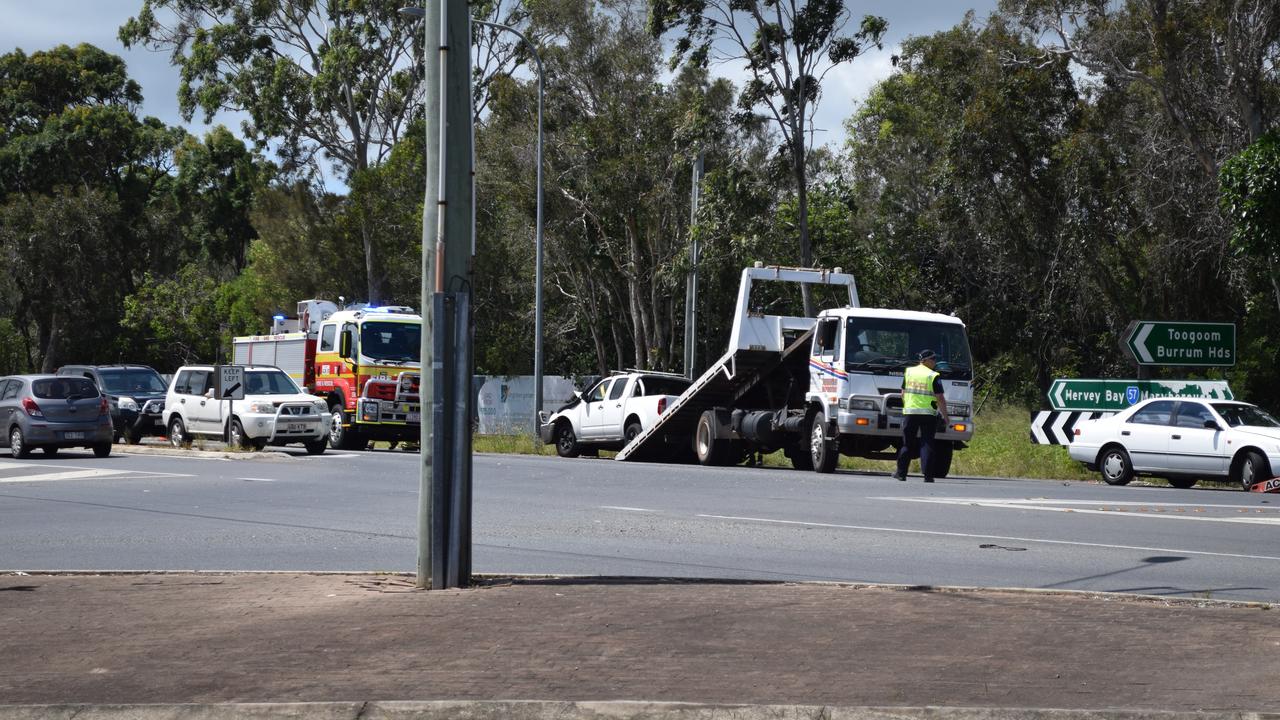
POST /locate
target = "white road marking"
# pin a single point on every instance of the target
(991, 537)
(1052, 506)
(623, 507)
(258, 479)
(77, 473)
(342, 455)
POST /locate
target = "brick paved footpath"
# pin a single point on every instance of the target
(222, 638)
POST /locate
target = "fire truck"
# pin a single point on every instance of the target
(363, 360)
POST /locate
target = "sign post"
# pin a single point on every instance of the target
(228, 384)
(1156, 342)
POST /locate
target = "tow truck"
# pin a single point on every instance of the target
(815, 388)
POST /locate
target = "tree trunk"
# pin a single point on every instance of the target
(374, 279)
(802, 203)
(49, 344)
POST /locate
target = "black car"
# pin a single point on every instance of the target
(135, 392)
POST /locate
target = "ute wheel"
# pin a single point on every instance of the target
(102, 450)
(822, 452)
(942, 452)
(633, 429)
(316, 447)
(567, 441)
(344, 438)
(1252, 468)
(132, 438)
(1115, 465)
(18, 444)
(237, 438)
(1182, 483)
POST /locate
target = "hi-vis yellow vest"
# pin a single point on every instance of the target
(917, 391)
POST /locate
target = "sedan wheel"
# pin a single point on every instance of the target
(1254, 468)
(1115, 466)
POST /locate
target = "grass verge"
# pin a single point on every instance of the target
(1001, 447)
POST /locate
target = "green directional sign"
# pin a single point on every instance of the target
(1115, 395)
(1156, 342)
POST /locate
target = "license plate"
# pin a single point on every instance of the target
(414, 417)
(296, 427)
(73, 436)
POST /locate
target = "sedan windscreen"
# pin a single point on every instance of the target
(70, 388)
(1247, 415)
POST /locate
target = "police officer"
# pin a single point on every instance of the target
(923, 403)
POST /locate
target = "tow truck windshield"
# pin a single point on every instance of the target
(886, 345)
(396, 342)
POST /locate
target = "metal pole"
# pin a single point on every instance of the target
(429, 567)
(455, 276)
(691, 286)
(459, 574)
(537, 242)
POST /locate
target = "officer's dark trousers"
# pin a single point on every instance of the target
(917, 441)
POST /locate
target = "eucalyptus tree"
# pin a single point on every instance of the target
(317, 79)
(788, 47)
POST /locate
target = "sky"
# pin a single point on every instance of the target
(42, 24)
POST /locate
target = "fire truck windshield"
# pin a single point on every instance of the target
(390, 341)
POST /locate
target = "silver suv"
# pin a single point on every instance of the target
(274, 410)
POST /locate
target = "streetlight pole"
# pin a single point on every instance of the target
(537, 263)
(444, 509)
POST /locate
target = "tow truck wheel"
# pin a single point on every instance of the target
(343, 438)
(800, 457)
(822, 452)
(709, 449)
(942, 452)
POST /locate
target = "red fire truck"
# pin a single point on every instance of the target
(362, 360)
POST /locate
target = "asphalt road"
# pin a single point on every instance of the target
(358, 512)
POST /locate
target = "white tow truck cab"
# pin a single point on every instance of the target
(856, 365)
(813, 387)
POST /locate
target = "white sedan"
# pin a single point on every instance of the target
(1182, 440)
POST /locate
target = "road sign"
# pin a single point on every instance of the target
(1055, 428)
(1153, 342)
(1115, 395)
(229, 382)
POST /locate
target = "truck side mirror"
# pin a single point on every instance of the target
(344, 345)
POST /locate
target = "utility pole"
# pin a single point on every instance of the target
(444, 507)
(691, 284)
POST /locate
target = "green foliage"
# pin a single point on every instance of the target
(1250, 184)
(180, 320)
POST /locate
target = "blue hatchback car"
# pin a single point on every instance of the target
(52, 412)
